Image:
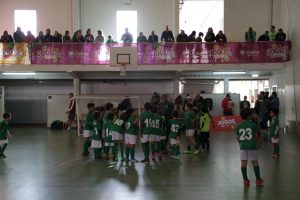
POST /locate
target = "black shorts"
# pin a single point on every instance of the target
(71, 115)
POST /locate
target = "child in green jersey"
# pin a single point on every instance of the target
(247, 137)
(108, 109)
(174, 134)
(4, 133)
(97, 136)
(205, 122)
(131, 135)
(88, 129)
(156, 133)
(118, 131)
(274, 132)
(189, 123)
(108, 137)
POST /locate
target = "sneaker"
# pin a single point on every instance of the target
(174, 157)
(145, 161)
(134, 161)
(122, 159)
(159, 157)
(153, 157)
(197, 151)
(259, 181)
(3, 156)
(85, 154)
(246, 182)
(187, 152)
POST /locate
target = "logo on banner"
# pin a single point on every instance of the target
(49, 53)
(165, 53)
(220, 52)
(223, 122)
(278, 51)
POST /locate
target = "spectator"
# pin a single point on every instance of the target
(110, 40)
(100, 37)
(264, 37)
(29, 38)
(221, 37)
(250, 35)
(48, 37)
(210, 35)
(153, 37)
(280, 36)
(198, 102)
(67, 37)
(89, 36)
(227, 105)
(141, 38)
(199, 38)
(187, 99)
(78, 37)
(6, 38)
(57, 37)
(275, 102)
(182, 37)
(245, 104)
(167, 35)
(192, 37)
(40, 37)
(155, 99)
(127, 37)
(19, 35)
(272, 34)
(165, 107)
(257, 103)
(179, 103)
(265, 108)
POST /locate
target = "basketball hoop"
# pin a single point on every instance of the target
(122, 69)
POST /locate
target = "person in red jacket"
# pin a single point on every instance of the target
(29, 38)
(227, 105)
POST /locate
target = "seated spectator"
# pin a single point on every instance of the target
(48, 37)
(89, 36)
(182, 37)
(78, 37)
(40, 37)
(29, 38)
(264, 37)
(153, 37)
(141, 38)
(221, 37)
(19, 35)
(199, 38)
(127, 37)
(210, 35)
(6, 38)
(167, 35)
(192, 37)
(272, 34)
(67, 37)
(57, 37)
(280, 36)
(110, 40)
(100, 37)
(250, 35)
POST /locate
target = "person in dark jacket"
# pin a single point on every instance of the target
(89, 36)
(57, 37)
(6, 38)
(182, 37)
(141, 38)
(199, 38)
(40, 37)
(210, 35)
(153, 37)
(48, 37)
(250, 35)
(19, 35)
(245, 104)
(192, 37)
(280, 36)
(78, 37)
(221, 37)
(67, 37)
(167, 35)
(264, 37)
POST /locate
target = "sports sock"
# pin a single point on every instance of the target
(152, 149)
(145, 150)
(122, 150)
(127, 149)
(95, 153)
(244, 173)
(106, 150)
(159, 147)
(177, 151)
(163, 145)
(188, 147)
(86, 146)
(257, 171)
(132, 153)
(174, 150)
(3, 149)
(115, 152)
(277, 148)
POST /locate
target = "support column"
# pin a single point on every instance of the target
(76, 86)
(175, 88)
(175, 14)
(226, 85)
(76, 15)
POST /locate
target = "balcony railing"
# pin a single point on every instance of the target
(147, 53)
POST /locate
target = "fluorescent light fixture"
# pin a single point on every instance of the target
(19, 73)
(255, 75)
(228, 73)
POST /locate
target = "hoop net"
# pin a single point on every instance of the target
(123, 69)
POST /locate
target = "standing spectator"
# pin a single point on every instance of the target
(167, 35)
(245, 104)
(48, 37)
(280, 36)
(40, 37)
(264, 37)
(257, 103)
(57, 37)
(199, 38)
(250, 35)
(221, 37)
(110, 40)
(198, 102)
(272, 33)
(178, 103)
(71, 111)
(210, 35)
(67, 37)
(89, 36)
(192, 37)
(227, 105)
(275, 102)
(155, 99)
(141, 38)
(127, 37)
(29, 38)
(100, 37)
(19, 35)
(153, 38)
(6, 38)
(182, 37)
(78, 37)
(265, 108)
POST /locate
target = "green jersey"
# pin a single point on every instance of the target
(205, 120)
(131, 127)
(189, 120)
(107, 128)
(247, 132)
(97, 128)
(274, 127)
(88, 124)
(174, 128)
(3, 130)
(156, 124)
(145, 120)
(119, 126)
(105, 117)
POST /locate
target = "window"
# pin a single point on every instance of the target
(26, 19)
(126, 19)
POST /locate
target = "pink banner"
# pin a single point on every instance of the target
(163, 53)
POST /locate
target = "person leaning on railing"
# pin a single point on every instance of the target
(280, 36)
(19, 35)
(6, 38)
(221, 37)
(250, 35)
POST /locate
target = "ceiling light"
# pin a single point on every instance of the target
(255, 75)
(19, 73)
(228, 73)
